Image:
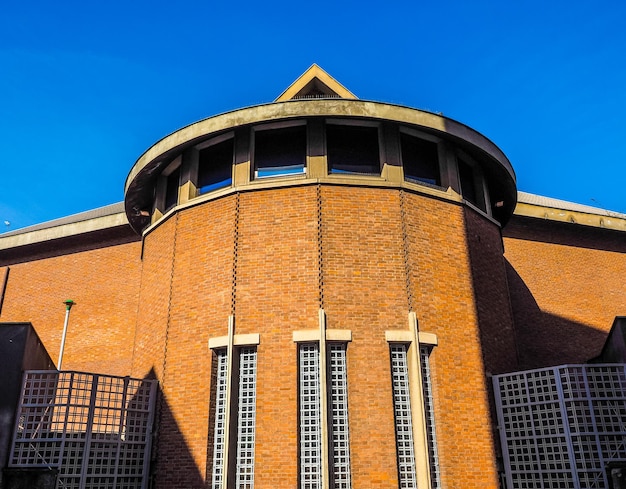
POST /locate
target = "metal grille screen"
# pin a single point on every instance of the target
(246, 419)
(95, 429)
(561, 426)
(402, 411)
(339, 414)
(310, 417)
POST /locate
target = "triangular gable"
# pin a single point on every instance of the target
(315, 83)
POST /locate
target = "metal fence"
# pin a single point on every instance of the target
(562, 427)
(95, 429)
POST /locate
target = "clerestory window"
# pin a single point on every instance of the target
(279, 151)
(420, 159)
(352, 148)
(171, 190)
(215, 164)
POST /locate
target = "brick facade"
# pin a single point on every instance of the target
(269, 253)
(566, 286)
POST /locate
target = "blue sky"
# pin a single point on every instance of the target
(86, 87)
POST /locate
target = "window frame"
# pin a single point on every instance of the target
(214, 141)
(271, 126)
(355, 123)
(440, 155)
(479, 181)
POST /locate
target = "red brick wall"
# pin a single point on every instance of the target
(104, 283)
(180, 295)
(443, 291)
(567, 285)
(187, 278)
(277, 292)
(491, 293)
(365, 291)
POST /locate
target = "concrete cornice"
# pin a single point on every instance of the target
(63, 230)
(604, 221)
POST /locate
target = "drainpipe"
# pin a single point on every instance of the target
(68, 305)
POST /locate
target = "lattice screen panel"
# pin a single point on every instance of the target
(561, 426)
(95, 429)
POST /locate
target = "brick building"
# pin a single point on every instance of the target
(323, 287)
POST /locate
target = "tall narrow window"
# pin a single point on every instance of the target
(219, 433)
(242, 428)
(280, 151)
(429, 411)
(405, 444)
(352, 149)
(215, 166)
(420, 159)
(311, 474)
(402, 412)
(339, 414)
(246, 419)
(310, 417)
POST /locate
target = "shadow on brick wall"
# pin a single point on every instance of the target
(172, 464)
(564, 233)
(545, 339)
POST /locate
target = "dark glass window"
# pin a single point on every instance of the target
(171, 192)
(280, 151)
(215, 166)
(420, 159)
(468, 182)
(352, 149)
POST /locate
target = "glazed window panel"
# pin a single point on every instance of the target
(171, 191)
(215, 166)
(352, 149)
(420, 159)
(468, 182)
(280, 151)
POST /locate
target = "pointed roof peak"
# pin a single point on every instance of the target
(315, 83)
